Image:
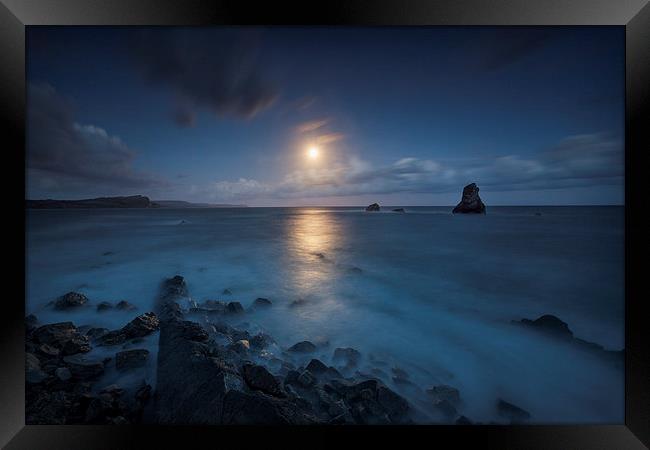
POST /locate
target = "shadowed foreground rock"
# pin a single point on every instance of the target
(198, 383)
(470, 203)
(202, 382)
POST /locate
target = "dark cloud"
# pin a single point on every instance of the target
(511, 46)
(184, 117)
(218, 70)
(63, 155)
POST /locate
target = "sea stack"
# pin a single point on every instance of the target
(373, 207)
(470, 203)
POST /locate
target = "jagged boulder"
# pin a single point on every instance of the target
(373, 207)
(70, 300)
(141, 326)
(470, 203)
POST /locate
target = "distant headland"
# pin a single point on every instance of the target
(132, 201)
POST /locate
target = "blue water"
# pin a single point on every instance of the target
(435, 294)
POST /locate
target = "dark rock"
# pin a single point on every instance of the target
(82, 368)
(33, 372)
(470, 202)
(306, 379)
(260, 379)
(291, 377)
(104, 306)
(198, 383)
(63, 373)
(31, 322)
(349, 357)
(70, 300)
(511, 412)
(141, 326)
(108, 253)
(550, 324)
(444, 393)
(399, 210)
(446, 409)
(462, 420)
(226, 292)
(96, 333)
(63, 336)
(373, 207)
(261, 341)
(234, 308)
(48, 350)
(262, 303)
(299, 302)
(125, 306)
(302, 347)
(316, 367)
(131, 359)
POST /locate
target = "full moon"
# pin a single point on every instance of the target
(312, 152)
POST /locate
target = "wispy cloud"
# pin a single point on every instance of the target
(581, 160)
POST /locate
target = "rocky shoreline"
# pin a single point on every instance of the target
(209, 372)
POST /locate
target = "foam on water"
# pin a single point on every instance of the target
(425, 291)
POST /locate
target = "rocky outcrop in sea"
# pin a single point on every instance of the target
(470, 203)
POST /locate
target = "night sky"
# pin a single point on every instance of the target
(401, 116)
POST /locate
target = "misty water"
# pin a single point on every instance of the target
(426, 291)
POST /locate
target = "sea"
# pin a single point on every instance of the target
(425, 293)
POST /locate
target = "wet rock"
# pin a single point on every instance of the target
(260, 379)
(226, 292)
(123, 305)
(261, 341)
(373, 207)
(141, 326)
(96, 333)
(348, 357)
(63, 373)
(511, 412)
(470, 203)
(462, 420)
(316, 367)
(262, 303)
(549, 324)
(33, 372)
(104, 306)
(62, 336)
(306, 379)
(299, 302)
(302, 347)
(399, 210)
(70, 300)
(82, 368)
(234, 308)
(240, 347)
(444, 393)
(131, 359)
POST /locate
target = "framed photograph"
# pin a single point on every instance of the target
(399, 221)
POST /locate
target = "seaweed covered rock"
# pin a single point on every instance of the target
(470, 203)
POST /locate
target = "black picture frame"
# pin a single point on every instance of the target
(634, 15)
